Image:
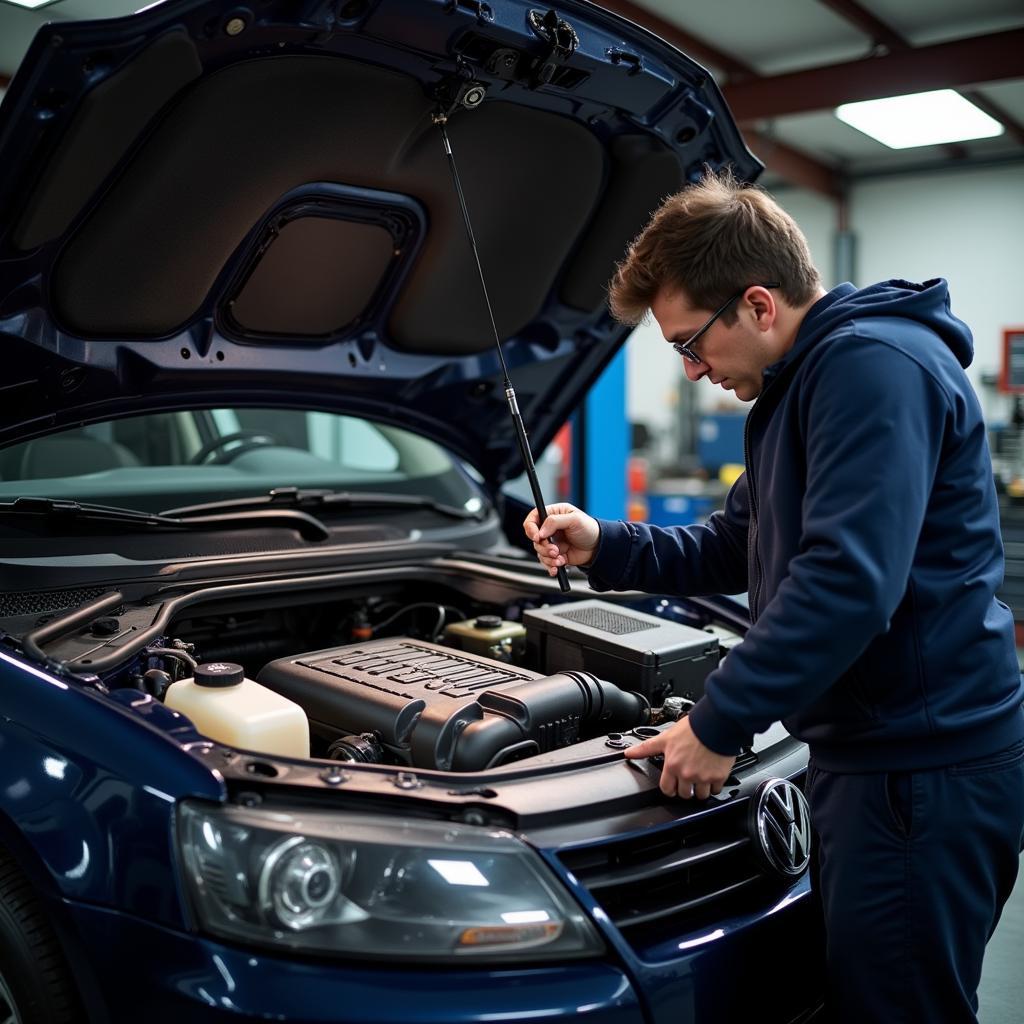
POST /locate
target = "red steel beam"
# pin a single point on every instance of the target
(796, 167)
(987, 58)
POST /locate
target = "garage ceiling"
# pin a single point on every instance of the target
(783, 66)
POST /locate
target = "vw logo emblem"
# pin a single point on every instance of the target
(780, 827)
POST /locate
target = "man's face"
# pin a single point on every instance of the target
(733, 356)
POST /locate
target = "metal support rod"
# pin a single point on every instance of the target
(524, 445)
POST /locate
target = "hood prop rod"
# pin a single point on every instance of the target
(441, 120)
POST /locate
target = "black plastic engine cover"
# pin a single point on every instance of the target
(436, 708)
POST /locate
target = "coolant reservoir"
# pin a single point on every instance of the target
(240, 712)
(489, 635)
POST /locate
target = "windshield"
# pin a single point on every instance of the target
(172, 459)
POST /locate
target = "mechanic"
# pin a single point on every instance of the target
(865, 531)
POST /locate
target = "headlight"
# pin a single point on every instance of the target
(357, 885)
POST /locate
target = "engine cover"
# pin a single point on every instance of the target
(436, 708)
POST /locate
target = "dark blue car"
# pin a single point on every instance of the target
(291, 725)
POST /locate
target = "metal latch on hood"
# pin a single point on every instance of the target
(562, 41)
(517, 65)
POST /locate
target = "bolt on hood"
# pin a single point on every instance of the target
(204, 204)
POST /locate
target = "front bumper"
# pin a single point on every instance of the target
(146, 972)
(765, 968)
(768, 967)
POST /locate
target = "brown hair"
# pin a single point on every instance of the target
(712, 239)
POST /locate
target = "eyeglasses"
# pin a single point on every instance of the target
(685, 348)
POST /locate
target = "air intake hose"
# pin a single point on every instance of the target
(534, 717)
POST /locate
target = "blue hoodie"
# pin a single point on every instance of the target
(866, 533)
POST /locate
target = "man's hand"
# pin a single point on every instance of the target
(567, 537)
(690, 769)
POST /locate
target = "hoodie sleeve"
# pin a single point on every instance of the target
(681, 560)
(874, 422)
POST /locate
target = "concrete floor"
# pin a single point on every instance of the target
(1001, 996)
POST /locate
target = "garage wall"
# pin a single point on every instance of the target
(965, 226)
(817, 218)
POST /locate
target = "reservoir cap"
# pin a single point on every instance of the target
(488, 622)
(218, 673)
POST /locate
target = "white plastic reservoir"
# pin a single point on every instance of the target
(240, 712)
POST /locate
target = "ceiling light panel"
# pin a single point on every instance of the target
(922, 119)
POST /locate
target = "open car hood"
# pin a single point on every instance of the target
(206, 204)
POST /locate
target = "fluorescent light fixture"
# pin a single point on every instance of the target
(922, 119)
(30, 4)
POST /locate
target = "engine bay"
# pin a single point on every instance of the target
(438, 681)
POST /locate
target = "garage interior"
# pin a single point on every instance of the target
(649, 447)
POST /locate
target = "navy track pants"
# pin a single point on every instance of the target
(912, 870)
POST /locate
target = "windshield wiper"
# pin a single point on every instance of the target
(63, 511)
(329, 501)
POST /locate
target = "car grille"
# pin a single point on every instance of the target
(676, 880)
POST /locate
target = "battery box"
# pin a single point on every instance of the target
(636, 651)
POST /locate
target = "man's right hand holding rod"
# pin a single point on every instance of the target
(567, 537)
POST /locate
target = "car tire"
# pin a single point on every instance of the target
(35, 981)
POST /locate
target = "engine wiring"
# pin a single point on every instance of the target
(442, 617)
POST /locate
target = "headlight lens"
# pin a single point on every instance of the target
(299, 881)
(357, 885)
